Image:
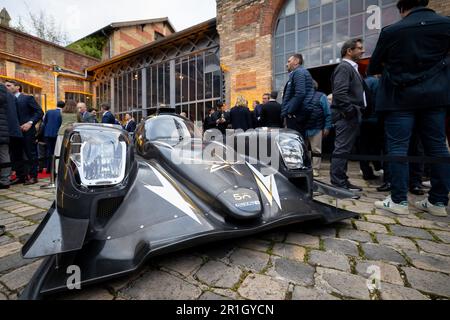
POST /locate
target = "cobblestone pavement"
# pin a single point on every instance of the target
(300, 262)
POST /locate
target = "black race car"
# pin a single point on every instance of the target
(120, 202)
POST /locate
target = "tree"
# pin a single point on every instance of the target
(43, 26)
(91, 46)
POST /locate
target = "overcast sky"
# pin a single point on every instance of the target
(82, 17)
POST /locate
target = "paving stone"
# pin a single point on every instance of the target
(19, 277)
(388, 273)
(7, 222)
(254, 244)
(355, 235)
(24, 231)
(30, 213)
(98, 294)
(434, 247)
(249, 259)
(5, 215)
(424, 224)
(13, 261)
(294, 271)
(411, 232)
(5, 240)
(289, 251)
(380, 219)
(157, 285)
(9, 249)
(370, 227)
(394, 292)
(302, 239)
(3, 297)
(443, 236)
(208, 296)
(18, 211)
(302, 293)
(429, 261)
(185, 264)
(346, 247)
(273, 236)
(260, 287)
(429, 282)
(430, 217)
(396, 242)
(383, 253)
(38, 217)
(329, 260)
(344, 284)
(321, 231)
(17, 225)
(219, 251)
(218, 274)
(227, 293)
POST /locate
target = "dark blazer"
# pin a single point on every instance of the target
(222, 127)
(87, 117)
(4, 129)
(209, 123)
(28, 110)
(13, 117)
(108, 118)
(52, 123)
(298, 93)
(131, 126)
(241, 118)
(348, 91)
(271, 115)
(410, 56)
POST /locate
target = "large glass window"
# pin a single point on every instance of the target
(318, 28)
(79, 97)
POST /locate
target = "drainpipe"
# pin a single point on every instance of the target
(56, 74)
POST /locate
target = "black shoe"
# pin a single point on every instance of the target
(2, 230)
(386, 187)
(370, 177)
(353, 188)
(30, 182)
(418, 191)
(17, 181)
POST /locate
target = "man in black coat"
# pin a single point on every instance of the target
(412, 56)
(107, 117)
(130, 125)
(271, 113)
(349, 99)
(29, 114)
(240, 116)
(210, 121)
(4, 138)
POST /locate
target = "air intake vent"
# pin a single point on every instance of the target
(106, 208)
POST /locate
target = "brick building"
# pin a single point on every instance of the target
(47, 71)
(120, 37)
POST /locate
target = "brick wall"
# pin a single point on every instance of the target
(441, 6)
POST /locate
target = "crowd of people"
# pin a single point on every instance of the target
(400, 108)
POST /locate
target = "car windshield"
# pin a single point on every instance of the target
(168, 127)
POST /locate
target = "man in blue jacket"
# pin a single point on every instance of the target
(298, 95)
(52, 124)
(413, 58)
(29, 113)
(108, 117)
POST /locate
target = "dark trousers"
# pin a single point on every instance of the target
(294, 124)
(346, 133)
(370, 143)
(50, 143)
(430, 126)
(25, 149)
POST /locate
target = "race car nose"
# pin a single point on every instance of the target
(241, 203)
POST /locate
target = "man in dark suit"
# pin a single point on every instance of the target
(130, 126)
(52, 123)
(349, 99)
(271, 112)
(240, 115)
(108, 117)
(222, 118)
(4, 138)
(210, 121)
(298, 94)
(29, 114)
(85, 115)
(412, 56)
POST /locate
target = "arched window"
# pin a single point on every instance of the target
(318, 28)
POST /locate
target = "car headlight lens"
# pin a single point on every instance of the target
(99, 156)
(292, 152)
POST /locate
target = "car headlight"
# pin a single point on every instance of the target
(292, 152)
(100, 157)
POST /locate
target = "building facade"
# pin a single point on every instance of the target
(258, 36)
(181, 70)
(45, 70)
